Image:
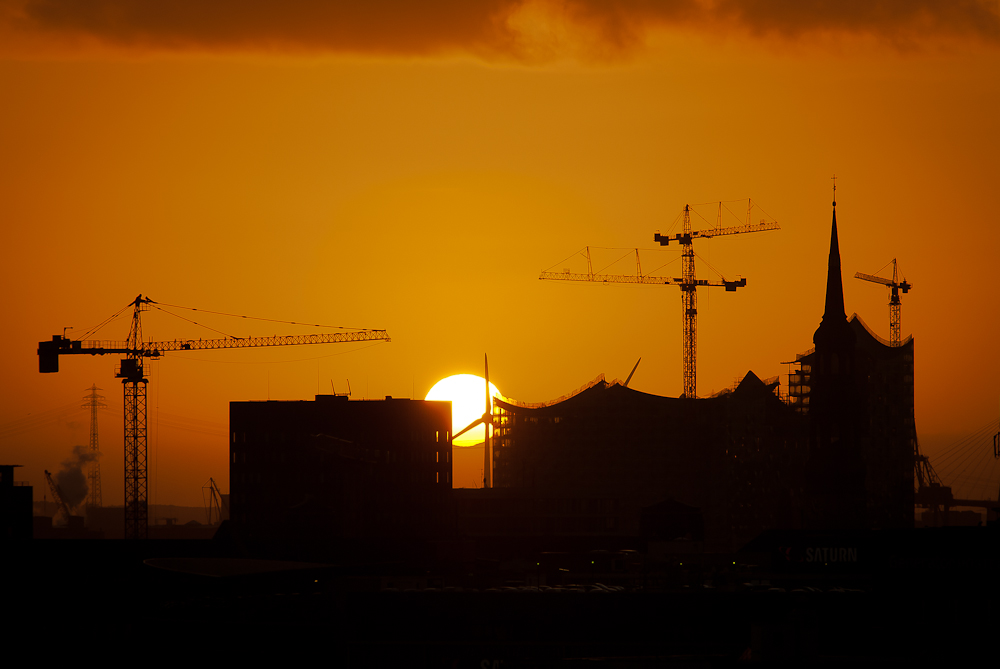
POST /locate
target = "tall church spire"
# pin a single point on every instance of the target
(833, 330)
(834, 280)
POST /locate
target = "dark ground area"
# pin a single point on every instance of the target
(922, 597)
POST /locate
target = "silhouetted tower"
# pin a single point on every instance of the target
(895, 304)
(134, 382)
(689, 303)
(133, 379)
(93, 401)
(836, 468)
(688, 281)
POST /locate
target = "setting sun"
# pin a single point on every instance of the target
(467, 395)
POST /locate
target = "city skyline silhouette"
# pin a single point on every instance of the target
(395, 182)
(261, 173)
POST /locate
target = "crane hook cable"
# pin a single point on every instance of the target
(671, 262)
(104, 322)
(628, 249)
(257, 318)
(274, 362)
(156, 306)
(615, 262)
(710, 266)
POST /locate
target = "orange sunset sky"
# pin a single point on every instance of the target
(412, 166)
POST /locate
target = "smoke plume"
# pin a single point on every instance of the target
(71, 479)
(527, 30)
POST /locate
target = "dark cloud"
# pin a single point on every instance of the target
(372, 26)
(499, 28)
(890, 19)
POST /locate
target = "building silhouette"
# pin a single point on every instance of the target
(15, 505)
(857, 391)
(735, 457)
(339, 468)
(836, 453)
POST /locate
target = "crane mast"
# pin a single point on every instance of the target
(689, 305)
(134, 383)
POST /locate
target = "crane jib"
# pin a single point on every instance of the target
(49, 351)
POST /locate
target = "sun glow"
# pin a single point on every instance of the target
(467, 393)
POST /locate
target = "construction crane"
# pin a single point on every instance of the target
(929, 491)
(58, 497)
(215, 500)
(894, 302)
(130, 371)
(688, 282)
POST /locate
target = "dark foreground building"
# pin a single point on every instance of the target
(339, 468)
(735, 459)
(15, 506)
(857, 391)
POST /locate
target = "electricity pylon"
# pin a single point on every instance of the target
(94, 402)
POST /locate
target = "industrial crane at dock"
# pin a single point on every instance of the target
(130, 371)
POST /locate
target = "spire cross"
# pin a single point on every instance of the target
(834, 190)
